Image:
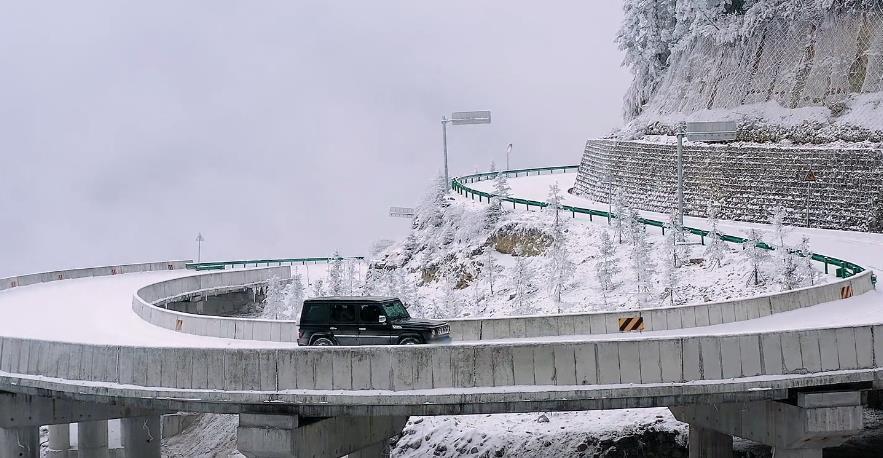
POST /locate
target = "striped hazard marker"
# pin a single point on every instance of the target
(846, 292)
(632, 323)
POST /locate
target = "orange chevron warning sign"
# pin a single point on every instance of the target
(632, 323)
(846, 292)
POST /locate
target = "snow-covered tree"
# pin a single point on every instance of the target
(522, 283)
(429, 212)
(646, 39)
(673, 255)
(755, 255)
(493, 166)
(349, 277)
(494, 211)
(490, 267)
(274, 300)
(501, 185)
(297, 296)
(318, 288)
(786, 262)
(559, 265)
(335, 275)
(806, 273)
(607, 266)
(643, 266)
(716, 247)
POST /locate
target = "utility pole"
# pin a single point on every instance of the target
(199, 240)
(681, 134)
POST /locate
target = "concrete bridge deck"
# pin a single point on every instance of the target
(83, 342)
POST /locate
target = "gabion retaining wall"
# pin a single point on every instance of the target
(748, 180)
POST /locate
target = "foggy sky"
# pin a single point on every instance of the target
(275, 128)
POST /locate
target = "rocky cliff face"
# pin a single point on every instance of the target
(775, 65)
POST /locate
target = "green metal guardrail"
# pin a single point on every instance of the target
(221, 265)
(844, 268)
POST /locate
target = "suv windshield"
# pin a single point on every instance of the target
(395, 311)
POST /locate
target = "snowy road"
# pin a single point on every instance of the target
(96, 310)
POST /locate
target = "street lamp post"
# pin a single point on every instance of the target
(199, 240)
(458, 118)
(508, 150)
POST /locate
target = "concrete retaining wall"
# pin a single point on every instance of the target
(213, 326)
(657, 319)
(24, 280)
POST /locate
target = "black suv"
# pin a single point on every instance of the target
(365, 321)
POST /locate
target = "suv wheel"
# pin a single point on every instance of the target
(409, 341)
(323, 342)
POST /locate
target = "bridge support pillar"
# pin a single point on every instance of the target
(708, 443)
(92, 439)
(800, 427)
(142, 436)
(59, 441)
(290, 436)
(21, 442)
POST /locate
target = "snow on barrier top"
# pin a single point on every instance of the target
(220, 265)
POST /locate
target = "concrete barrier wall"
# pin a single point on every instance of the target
(404, 368)
(212, 326)
(31, 279)
(657, 319)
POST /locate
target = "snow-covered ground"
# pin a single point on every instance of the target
(863, 248)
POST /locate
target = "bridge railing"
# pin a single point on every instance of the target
(221, 265)
(844, 268)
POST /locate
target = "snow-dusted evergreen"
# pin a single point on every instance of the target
(786, 262)
(642, 264)
(335, 276)
(673, 255)
(757, 257)
(495, 209)
(715, 246)
(522, 284)
(606, 267)
(559, 264)
(805, 271)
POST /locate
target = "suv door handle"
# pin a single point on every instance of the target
(332, 328)
(361, 329)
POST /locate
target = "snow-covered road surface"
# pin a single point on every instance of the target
(96, 310)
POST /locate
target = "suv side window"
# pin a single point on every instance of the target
(343, 313)
(371, 313)
(317, 313)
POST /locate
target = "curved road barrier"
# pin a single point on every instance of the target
(145, 300)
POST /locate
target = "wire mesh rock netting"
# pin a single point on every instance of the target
(801, 70)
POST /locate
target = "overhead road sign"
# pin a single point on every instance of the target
(711, 131)
(470, 117)
(401, 212)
